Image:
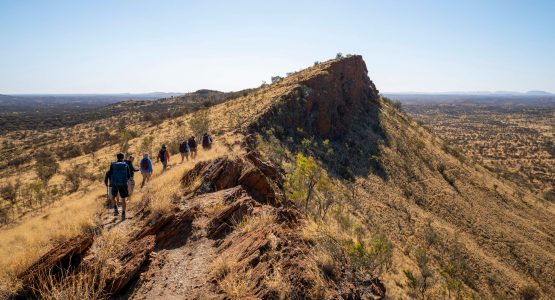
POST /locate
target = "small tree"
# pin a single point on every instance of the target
(73, 177)
(199, 122)
(146, 144)
(9, 193)
(276, 79)
(308, 181)
(46, 166)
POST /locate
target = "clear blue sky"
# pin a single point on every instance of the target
(142, 46)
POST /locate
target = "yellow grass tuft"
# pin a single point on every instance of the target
(278, 283)
(251, 222)
(237, 284)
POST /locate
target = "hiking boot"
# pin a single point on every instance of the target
(116, 211)
(123, 215)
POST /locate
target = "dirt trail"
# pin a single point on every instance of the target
(179, 273)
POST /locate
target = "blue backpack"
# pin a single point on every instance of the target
(119, 173)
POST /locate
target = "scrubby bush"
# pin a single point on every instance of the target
(529, 293)
(146, 144)
(308, 183)
(69, 151)
(46, 166)
(73, 177)
(200, 122)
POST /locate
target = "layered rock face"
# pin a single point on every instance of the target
(327, 102)
(337, 95)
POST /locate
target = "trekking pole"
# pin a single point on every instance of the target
(108, 197)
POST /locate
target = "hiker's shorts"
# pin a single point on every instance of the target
(120, 190)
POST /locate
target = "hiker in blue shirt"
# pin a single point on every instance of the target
(118, 175)
(146, 169)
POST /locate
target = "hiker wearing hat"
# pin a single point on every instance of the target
(164, 157)
(146, 169)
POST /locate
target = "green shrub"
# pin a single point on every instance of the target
(46, 166)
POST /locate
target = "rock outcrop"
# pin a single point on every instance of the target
(326, 103)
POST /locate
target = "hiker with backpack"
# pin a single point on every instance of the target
(118, 176)
(206, 141)
(164, 157)
(193, 146)
(146, 169)
(184, 150)
(131, 181)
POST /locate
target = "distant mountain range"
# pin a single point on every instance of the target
(477, 93)
(84, 99)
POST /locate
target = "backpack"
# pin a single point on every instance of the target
(162, 155)
(206, 141)
(119, 173)
(183, 147)
(144, 164)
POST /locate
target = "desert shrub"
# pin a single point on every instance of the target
(146, 144)
(74, 177)
(276, 79)
(369, 256)
(529, 293)
(124, 137)
(200, 122)
(69, 151)
(18, 161)
(430, 235)
(93, 145)
(549, 195)
(308, 183)
(419, 284)
(398, 105)
(46, 166)
(339, 55)
(452, 283)
(9, 192)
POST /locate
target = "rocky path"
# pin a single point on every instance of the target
(180, 273)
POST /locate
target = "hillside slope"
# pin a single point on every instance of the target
(391, 208)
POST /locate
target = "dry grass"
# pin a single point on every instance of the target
(254, 221)
(222, 266)
(277, 283)
(25, 242)
(108, 244)
(237, 284)
(82, 285)
(215, 209)
(165, 189)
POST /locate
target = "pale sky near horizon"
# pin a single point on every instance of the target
(181, 46)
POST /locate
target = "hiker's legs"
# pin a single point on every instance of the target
(114, 197)
(164, 165)
(182, 157)
(130, 186)
(146, 178)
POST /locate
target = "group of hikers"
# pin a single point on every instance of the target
(119, 178)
